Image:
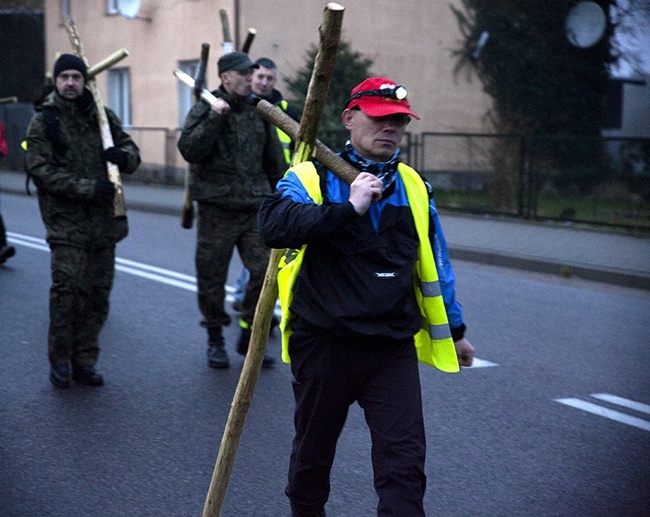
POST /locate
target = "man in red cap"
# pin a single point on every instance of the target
(367, 291)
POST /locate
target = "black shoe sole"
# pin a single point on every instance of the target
(218, 366)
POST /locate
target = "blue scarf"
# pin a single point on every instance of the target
(385, 171)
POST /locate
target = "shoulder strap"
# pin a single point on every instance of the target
(52, 127)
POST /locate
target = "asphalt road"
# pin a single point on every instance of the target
(516, 435)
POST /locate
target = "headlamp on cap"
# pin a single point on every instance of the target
(396, 92)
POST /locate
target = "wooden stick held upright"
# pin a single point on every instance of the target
(249, 41)
(119, 208)
(330, 33)
(227, 45)
(187, 217)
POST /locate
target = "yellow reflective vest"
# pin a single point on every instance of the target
(433, 341)
(285, 139)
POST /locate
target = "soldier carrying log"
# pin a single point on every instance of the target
(235, 160)
(68, 163)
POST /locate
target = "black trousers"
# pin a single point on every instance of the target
(3, 233)
(330, 374)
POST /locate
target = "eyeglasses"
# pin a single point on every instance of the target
(397, 92)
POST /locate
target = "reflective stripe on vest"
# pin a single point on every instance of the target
(285, 139)
(433, 342)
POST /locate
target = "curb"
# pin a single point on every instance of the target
(563, 269)
(622, 278)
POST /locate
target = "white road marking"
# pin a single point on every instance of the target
(605, 412)
(157, 274)
(620, 401)
(164, 276)
(481, 363)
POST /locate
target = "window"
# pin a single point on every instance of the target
(111, 7)
(185, 94)
(119, 93)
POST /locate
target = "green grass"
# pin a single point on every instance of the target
(589, 210)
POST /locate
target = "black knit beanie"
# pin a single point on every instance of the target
(70, 62)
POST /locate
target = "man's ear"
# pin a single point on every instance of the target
(346, 117)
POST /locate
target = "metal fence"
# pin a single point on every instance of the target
(591, 180)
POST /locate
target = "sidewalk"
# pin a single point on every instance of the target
(597, 255)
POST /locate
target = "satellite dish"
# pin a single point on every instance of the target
(128, 8)
(585, 24)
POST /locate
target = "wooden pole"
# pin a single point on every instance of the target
(226, 46)
(106, 63)
(119, 208)
(249, 40)
(187, 216)
(9, 100)
(330, 33)
(323, 154)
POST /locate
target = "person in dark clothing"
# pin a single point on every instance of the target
(367, 291)
(6, 251)
(235, 160)
(265, 77)
(67, 162)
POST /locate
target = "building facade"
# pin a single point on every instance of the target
(410, 41)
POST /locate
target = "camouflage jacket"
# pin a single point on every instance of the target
(235, 160)
(65, 166)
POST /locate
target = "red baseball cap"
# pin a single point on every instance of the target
(378, 96)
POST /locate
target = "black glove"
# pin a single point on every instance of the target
(104, 189)
(115, 155)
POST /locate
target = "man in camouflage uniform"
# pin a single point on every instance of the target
(263, 86)
(235, 160)
(67, 162)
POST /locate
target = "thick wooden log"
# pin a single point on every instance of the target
(107, 62)
(119, 207)
(323, 154)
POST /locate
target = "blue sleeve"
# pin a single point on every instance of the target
(291, 187)
(445, 270)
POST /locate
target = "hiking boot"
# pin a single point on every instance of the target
(87, 375)
(242, 346)
(60, 375)
(6, 252)
(217, 356)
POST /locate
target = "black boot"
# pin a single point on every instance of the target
(298, 510)
(60, 375)
(6, 252)
(217, 356)
(244, 340)
(87, 375)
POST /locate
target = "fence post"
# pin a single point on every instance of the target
(170, 156)
(522, 177)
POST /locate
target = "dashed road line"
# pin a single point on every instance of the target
(164, 276)
(612, 414)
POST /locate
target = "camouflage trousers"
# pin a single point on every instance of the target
(81, 284)
(219, 232)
